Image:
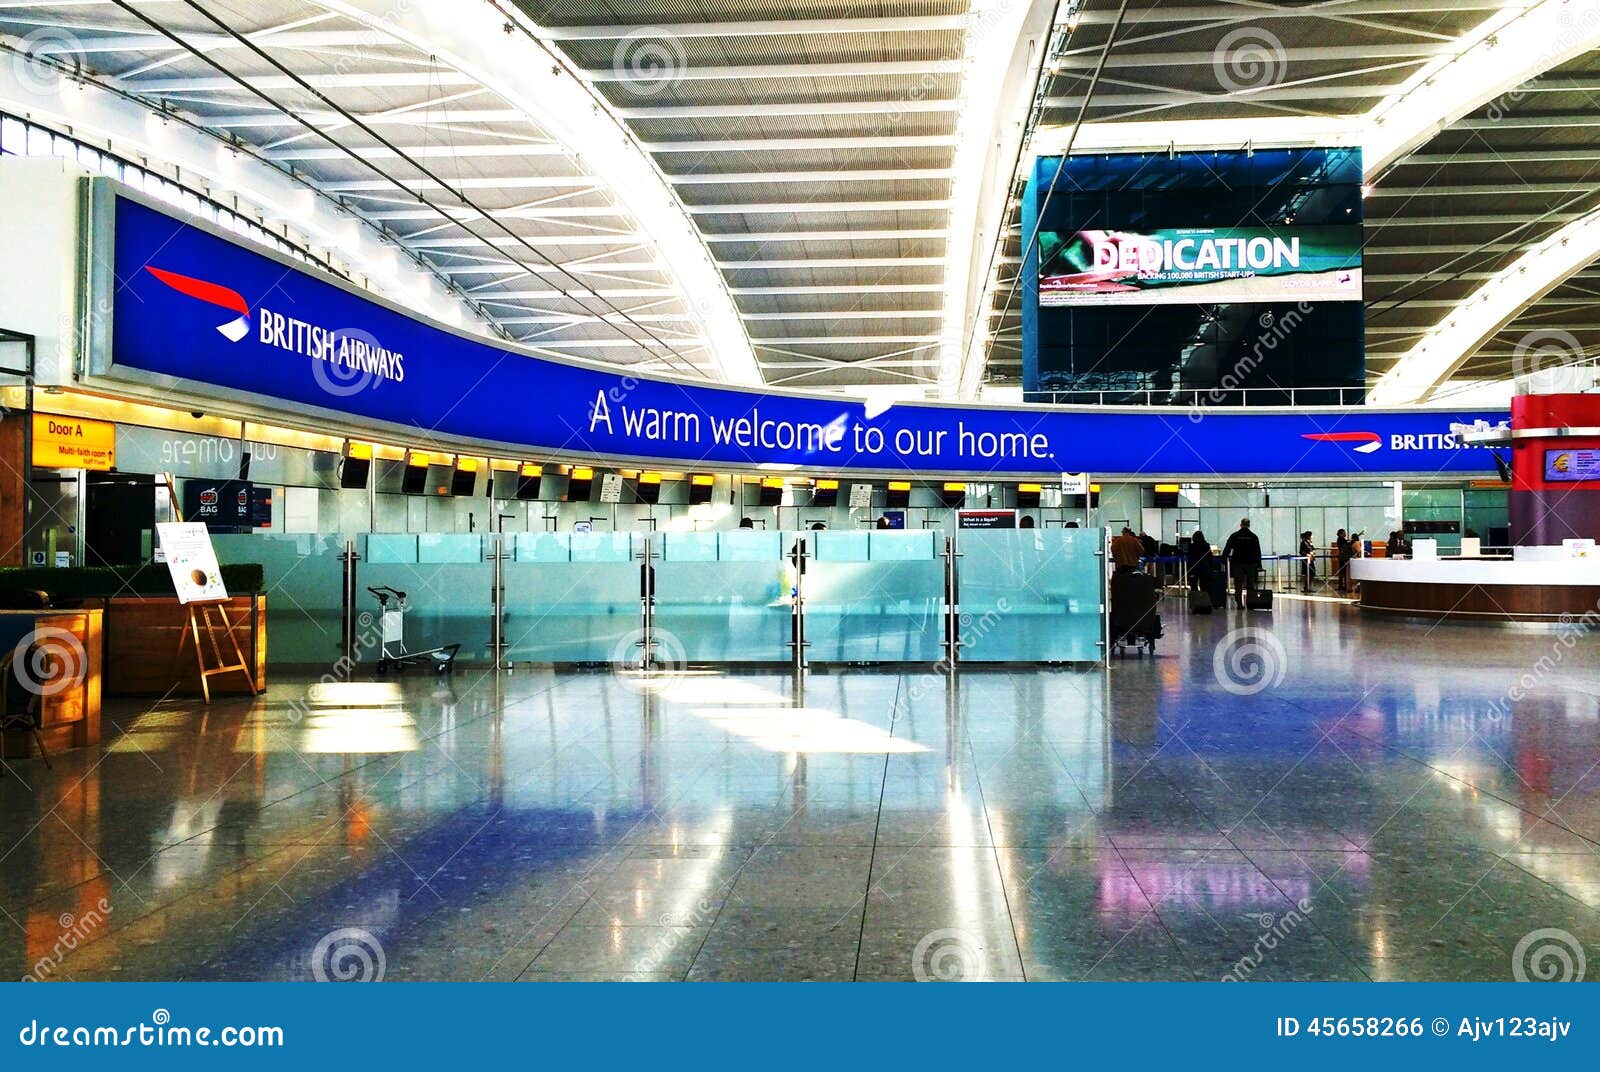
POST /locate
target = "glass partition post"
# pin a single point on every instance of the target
(647, 604)
(348, 558)
(497, 602)
(952, 606)
(797, 606)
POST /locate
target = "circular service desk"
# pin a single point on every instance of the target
(1480, 589)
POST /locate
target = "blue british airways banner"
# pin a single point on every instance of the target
(188, 312)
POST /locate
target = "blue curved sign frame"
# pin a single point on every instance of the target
(180, 309)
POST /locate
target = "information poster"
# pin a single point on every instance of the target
(196, 577)
(1572, 465)
(860, 496)
(611, 487)
(986, 519)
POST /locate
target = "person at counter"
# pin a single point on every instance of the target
(1344, 549)
(1126, 550)
(1308, 560)
(1242, 555)
(1396, 547)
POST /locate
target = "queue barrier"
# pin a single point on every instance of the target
(746, 596)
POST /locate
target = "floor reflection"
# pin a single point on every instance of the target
(1398, 806)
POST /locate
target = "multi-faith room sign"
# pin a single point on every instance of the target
(187, 312)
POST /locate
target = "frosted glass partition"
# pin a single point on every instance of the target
(724, 596)
(302, 579)
(874, 596)
(1032, 595)
(572, 597)
(449, 585)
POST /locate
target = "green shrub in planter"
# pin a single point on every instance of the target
(150, 579)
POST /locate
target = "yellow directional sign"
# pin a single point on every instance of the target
(73, 443)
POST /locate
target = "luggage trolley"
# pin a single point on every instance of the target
(392, 649)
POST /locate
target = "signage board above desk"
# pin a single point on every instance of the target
(197, 314)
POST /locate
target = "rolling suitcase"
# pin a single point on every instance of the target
(1217, 588)
(1199, 602)
(1134, 618)
(1261, 599)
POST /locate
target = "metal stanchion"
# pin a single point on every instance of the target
(952, 606)
(797, 605)
(497, 643)
(647, 601)
(347, 621)
(1104, 554)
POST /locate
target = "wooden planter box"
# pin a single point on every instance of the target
(69, 703)
(142, 634)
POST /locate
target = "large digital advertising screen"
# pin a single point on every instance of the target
(1197, 265)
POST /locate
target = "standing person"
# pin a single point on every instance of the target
(1242, 555)
(1201, 562)
(1126, 550)
(1344, 549)
(1308, 561)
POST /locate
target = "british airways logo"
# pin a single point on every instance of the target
(211, 294)
(1365, 442)
(361, 358)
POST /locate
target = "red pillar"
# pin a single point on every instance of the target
(1555, 468)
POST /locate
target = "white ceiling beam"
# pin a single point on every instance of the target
(838, 143)
(759, 28)
(798, 107)
(1502, 298)
(510, 182)
(275, 83)
(794, 177)
(1168, 11)
(828, 236)
(850, 314)
(422, 117)
(762, 343)
(751, 72)
(1506, 50)
(833, 262)
(801, 207)
(421, 152)
(151, 43)
(1081, 59)
(848, 288)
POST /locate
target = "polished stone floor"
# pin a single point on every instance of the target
(1319, 797)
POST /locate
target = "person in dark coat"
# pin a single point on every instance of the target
(1201, 562)
(1344, 549)
(1242, 555)
(1308, 561)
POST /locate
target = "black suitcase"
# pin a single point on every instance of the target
(1199, 602)
(1217, 587)
(1134, 619)
(1260, 599)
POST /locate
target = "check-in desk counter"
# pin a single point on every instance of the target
(1480, 589)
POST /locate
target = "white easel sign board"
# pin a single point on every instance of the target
(860, 496)
(192, 560)
(611, 487)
